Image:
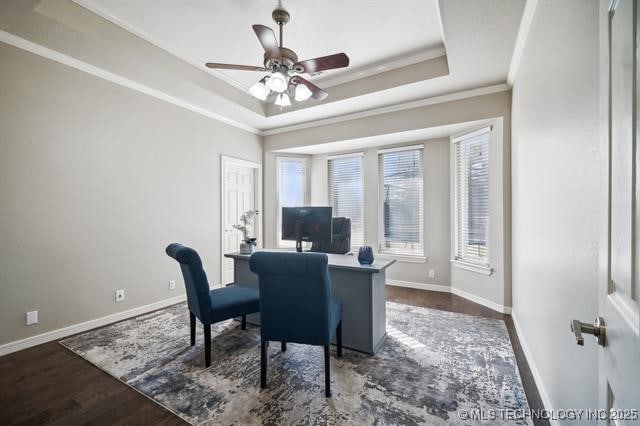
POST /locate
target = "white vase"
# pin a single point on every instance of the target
(246, 248)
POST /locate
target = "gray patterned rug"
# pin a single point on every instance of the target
(433, 364)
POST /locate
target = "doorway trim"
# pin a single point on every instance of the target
(225, 161)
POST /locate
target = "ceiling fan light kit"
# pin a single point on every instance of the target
(285, 80)
(260, 89)
(302, 93)
(277, 82)
(282, 100)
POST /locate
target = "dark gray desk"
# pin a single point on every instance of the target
(361, 289)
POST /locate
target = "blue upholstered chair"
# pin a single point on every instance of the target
(296, 304)
(208, 305)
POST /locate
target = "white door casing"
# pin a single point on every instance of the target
(619, 359)
(240, 191)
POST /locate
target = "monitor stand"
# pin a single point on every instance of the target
(299, 237)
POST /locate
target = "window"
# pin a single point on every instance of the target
(346, 193)
(292, 189)
(401, 200)
(471, 197)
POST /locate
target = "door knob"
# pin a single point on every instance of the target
(597, 329)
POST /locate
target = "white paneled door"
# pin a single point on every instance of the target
(239, 193)
(619, 264)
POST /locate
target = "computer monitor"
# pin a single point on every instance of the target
(306, 224)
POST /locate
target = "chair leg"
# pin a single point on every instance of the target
(244, 322)
(283, 346)
(339, 338)
(327, 373)
(192, 320)
(207, 345)
(263, 364)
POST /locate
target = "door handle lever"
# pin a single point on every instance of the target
(597, 329)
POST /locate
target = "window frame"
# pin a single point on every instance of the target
(398, 252)
(470, 263)
(360, 155)
(305, 161)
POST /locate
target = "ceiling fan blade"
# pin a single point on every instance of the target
(310, 66)
(234, 67)
(268, 40)
(316, 92)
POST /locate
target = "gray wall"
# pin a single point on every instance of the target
(555, 166)
(491, 108)
(436, 210)
(96, 180)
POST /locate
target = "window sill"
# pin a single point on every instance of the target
(403, 257)
(473, 267)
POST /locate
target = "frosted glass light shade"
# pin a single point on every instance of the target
(277, 82)
(302, 92)
(259, 90)
(282, 100)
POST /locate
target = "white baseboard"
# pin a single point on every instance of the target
(421, 286)
(534, 370)
(448, 289)
(482, 301)
(60, 333)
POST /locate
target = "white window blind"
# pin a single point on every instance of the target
(401, 201)
(471, 189)
(346, 193)
(292, 184)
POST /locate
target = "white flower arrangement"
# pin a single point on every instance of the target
(246, 223)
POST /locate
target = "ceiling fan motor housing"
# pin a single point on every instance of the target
(289, 58)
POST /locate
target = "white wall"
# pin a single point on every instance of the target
(555, 196)
(96, 180)
(436, 210)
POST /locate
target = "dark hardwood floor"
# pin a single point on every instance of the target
(48, 384)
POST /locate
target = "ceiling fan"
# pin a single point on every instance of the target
(285, 69)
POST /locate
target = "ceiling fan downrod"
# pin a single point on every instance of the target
(281, 17)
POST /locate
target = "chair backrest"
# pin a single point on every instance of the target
(195, 280)
(341, 238)
(295, 293)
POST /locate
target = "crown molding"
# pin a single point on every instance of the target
(162, 44)
(370, 70)
(503, 87)
(521, 39)
(61, 58)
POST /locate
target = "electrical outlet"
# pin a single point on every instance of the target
(31, 317)
(172, 285)
(432, 273)
(119, 295)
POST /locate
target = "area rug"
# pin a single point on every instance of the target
(433, 366)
